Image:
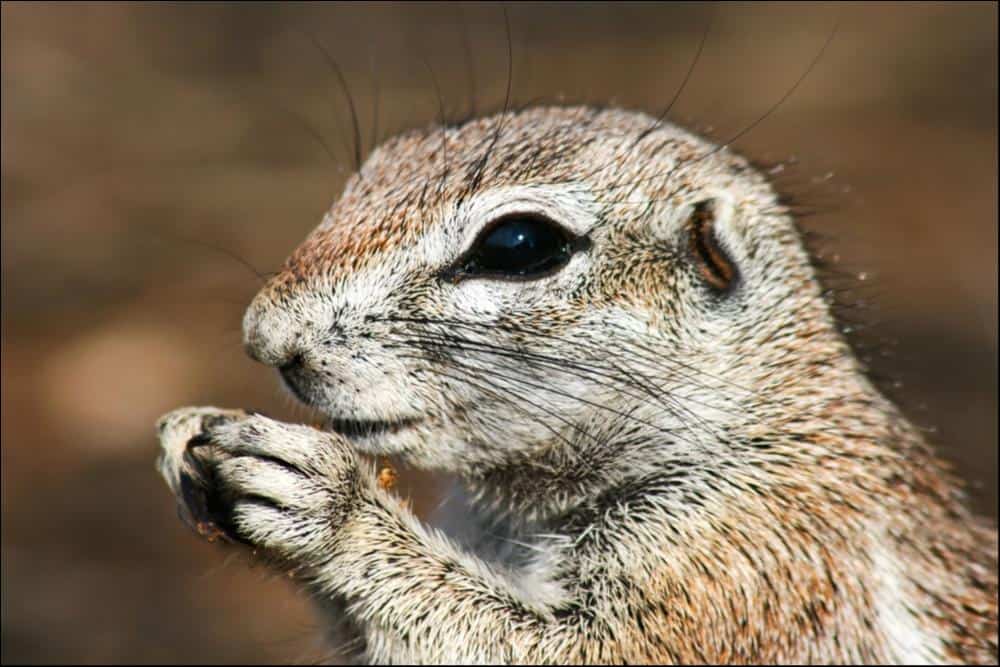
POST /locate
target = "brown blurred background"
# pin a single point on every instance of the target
(146, 148)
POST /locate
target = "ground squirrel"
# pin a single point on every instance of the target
(610, 330)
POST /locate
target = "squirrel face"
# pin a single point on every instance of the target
(533, 286)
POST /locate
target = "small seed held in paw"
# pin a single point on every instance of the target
(387, 477)
(209, 531)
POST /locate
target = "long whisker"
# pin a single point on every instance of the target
(626, 377)
(646, 356)
(346, 91)
(480, 167)
(735, 137)
(177, 238)
(659, 399)
(470, 64)
(376, 98)
(687, 77)
(565, 394)
(767, 114)
(666, 111)
(442, 119)
(493, 391)
(487, 386)
(655, 359)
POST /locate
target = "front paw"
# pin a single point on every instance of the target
(282, 487)
(191, 477)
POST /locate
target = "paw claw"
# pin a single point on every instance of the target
(243, 477)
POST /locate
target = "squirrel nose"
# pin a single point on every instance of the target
(291, 368)
(269, 335)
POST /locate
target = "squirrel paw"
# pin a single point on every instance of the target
(285, 488)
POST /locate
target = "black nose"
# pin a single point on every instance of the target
(293, 372)
(292, 369)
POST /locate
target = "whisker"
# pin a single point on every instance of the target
(594, 404)
(734, 138)
(687, 77)
(652, 359)
(492, 390)
(488, 384)
(480, 167)
(658, 399)
(376, 97)
(346, 91)
(444, 124)
(470, 64)
(666, 111)
(767, 114)
(177, 238)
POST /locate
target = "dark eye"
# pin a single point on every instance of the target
(519, 247)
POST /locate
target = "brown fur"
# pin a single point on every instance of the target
(719, 483)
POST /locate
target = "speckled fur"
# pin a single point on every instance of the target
(684, 475)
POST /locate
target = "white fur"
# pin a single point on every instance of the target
(908, 642)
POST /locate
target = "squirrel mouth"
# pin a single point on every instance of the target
(363, 428)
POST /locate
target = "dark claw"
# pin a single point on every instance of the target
(202, 505)
(198, 441)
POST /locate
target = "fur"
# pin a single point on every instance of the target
(681, 473)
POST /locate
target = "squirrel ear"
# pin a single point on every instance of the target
(709, 235)
(713, 262)
(712, 235)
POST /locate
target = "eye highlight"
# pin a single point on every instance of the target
(517, 247)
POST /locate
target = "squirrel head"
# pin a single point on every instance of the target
(543, 288)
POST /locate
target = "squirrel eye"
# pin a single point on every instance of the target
(520, 247)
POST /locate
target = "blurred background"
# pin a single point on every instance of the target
(155, 158)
